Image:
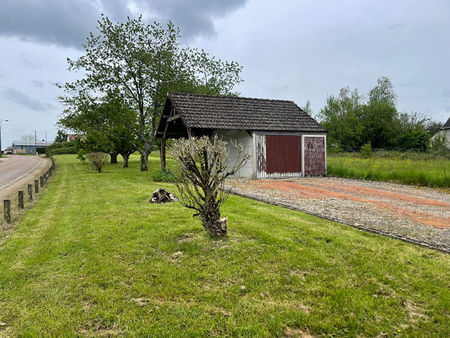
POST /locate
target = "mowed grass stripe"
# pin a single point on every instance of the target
(94, 257)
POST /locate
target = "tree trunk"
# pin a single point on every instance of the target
(144, 161)
(214, 224)
(162, 153)
(125, 160)
(113, 157)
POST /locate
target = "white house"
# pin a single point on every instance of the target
(445, 130)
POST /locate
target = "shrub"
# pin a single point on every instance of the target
(97, 160)
(438, 145)
(164, 175)
(366, 150)
(61, 148)
(81, 156)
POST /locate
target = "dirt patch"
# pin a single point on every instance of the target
(295, 332)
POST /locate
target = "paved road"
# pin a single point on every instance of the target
(16, 167)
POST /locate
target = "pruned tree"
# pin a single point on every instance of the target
(203, 166)
(141, 63)
(97, 160)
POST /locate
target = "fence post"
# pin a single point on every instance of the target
(41, 179)
(30, 192)
(7, 210)
(20, 198)
(36, 186)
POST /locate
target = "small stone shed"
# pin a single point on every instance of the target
(281, 139)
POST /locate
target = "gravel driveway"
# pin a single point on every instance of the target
(419, 215)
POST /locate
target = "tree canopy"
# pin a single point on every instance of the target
(139, 64)
(353, 120)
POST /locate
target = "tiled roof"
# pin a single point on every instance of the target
(229, 112)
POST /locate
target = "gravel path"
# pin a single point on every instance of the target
(418, 215)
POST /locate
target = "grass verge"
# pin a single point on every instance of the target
(94, 257)
(415, 171)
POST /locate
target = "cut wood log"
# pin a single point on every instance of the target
(162, 195)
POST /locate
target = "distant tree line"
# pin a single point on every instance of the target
(353, 120)
(127, 70)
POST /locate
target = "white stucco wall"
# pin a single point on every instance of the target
(246, 140)
(446, 133)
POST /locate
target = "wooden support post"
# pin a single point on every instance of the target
(7, 211)
(20, 199)
(30, 191)
(163, 147)
(36, 186)
(41, 179)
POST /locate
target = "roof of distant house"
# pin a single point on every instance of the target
(446, 124)
(37, 144)
(231, 112)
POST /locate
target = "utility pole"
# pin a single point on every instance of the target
(1, 135)
(35, 137)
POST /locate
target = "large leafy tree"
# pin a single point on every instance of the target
(341, 116)
(141, 63)
(104, 123)
(379, 115)
(352, 120)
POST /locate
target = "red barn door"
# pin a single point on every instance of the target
(283, 154)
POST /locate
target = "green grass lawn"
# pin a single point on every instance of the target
(94, 257)
(391, 167)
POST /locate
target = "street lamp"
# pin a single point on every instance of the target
(1, 152)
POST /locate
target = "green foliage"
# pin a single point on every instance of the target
(81, 156)
(416, 168)
(61, 136)
(164, 175)
(341, 117)
(94, 258)
(140, 64)
(352, 120)
(439, 145)
(61, 148)
(307, 108)
(366, 150)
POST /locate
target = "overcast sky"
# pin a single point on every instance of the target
(297, 50)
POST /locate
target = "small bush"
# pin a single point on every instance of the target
(164, 175)
(366, 150)
(334, 149)
(81, 156)
(97, 160)
(438, 145)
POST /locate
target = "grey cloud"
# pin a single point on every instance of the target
(16, 96)
(194, 17)
(396, 26)
(68, 23)
(38, 84)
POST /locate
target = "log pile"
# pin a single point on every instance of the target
(162, 195)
